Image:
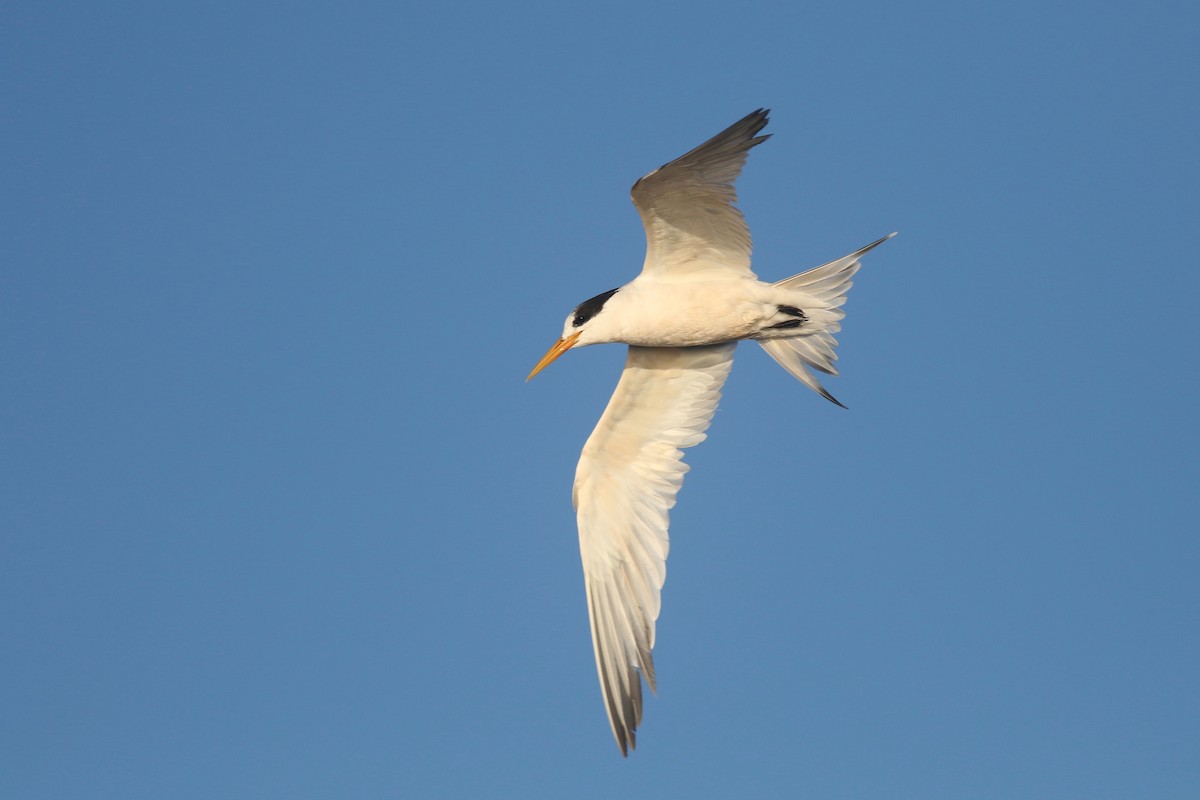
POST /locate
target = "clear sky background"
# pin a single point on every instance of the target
(280, 518)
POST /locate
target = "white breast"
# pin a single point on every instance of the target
(653, 314)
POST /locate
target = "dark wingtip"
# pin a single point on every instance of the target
(825, 393)
(874, 244)
(758, 120)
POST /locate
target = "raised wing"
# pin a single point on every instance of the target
(693, 229)
(625, 485)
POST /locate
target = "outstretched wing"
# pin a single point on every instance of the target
(693, 229)
(625, 485)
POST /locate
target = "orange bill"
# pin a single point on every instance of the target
(560, 347)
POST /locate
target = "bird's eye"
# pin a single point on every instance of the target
(579, 320)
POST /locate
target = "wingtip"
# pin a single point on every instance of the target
(626, 740)
(825, 393)
(752, 123)
(864, 250)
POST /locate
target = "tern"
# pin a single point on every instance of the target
(682, 317)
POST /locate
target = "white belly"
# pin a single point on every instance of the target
(689, 314)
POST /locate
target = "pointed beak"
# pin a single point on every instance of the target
(560, 347)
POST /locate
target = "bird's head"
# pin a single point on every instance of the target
(582, 327)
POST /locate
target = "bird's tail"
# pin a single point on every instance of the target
(815, 345)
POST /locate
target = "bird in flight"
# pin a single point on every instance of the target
(682, 317)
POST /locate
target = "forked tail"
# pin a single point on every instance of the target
(815, 346)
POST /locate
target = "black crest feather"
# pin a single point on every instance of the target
(590, 308)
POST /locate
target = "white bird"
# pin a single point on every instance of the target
(682, 318)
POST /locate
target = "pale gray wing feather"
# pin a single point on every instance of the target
(693, 229)
(625, 485)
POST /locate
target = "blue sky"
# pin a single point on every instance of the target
(279, 516)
